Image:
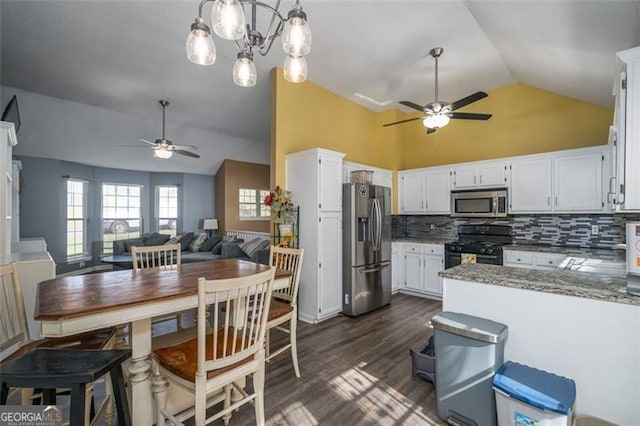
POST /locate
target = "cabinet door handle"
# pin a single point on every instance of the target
(480, 179)
(548, 201)
(556, 197)
(474, 179)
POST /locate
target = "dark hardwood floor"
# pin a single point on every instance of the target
(355, 371)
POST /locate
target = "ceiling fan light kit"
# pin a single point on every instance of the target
(164, 148)
(437, 114)
(228, 20)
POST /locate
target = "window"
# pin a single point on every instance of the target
(251, 207)
(76, 218)
(166, 209)
(121, 213)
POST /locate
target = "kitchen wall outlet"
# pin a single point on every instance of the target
(432, 227)
(595, 230)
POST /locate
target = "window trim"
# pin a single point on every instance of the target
(76, 257)
(258, 205)
(156, 213)
(102, 218)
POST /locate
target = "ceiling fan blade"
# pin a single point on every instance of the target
(430, 130)
(402, 121)
(135, 146)
(412, 105)
(146, 141)
(184, 146)
(187, 153)
(469, 116)
(466, 101)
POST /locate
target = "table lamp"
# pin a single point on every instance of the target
(210, 225)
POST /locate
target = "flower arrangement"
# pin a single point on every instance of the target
(281, 205)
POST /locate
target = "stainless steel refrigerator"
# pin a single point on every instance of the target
(366, 272)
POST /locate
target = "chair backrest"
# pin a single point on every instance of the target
(154, 256)
(239, 314)
(13, 318)
(291, 260)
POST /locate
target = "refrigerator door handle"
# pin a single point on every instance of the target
(376, 269)
(377, 225)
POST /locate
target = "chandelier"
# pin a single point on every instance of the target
(229, 21)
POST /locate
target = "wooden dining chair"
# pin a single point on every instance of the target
(163, 256)
(16, 343)
(228, 348)
(284, 306)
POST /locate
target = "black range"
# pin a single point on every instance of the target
(479, 243)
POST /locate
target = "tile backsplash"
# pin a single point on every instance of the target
(558, 230)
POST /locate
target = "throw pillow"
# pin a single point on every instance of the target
(186, 240)
(217, 249)
(250, 247)
(208, 245)
(157, 239)
(197, 241)
(133, 242)
(173, 240)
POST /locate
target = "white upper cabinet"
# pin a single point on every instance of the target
(627, 125)
(530, 185)
(578, 182)
(382, 177)
(438, 199)
(330, 184)
(480, 175)
(412, 191)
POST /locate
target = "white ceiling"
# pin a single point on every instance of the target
(125, 55)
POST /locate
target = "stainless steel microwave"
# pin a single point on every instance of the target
(479, 203)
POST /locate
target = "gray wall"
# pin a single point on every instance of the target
(43, 201)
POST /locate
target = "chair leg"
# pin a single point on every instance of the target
(293, 326)
(77, 410)
(89, 410)
(227, 403)
(4, 393)
(258, 389)
(108, 395)
(120, 396)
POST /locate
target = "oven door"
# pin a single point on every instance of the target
(452, 259)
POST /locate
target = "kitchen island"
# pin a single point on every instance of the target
(574, 324)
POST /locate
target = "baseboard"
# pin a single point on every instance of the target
(417, 293)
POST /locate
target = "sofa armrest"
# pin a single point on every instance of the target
(231, 251)
(262, 256)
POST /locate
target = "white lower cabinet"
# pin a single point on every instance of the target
(533, 260)
(422, 263)
(397, 267)
(330, 266)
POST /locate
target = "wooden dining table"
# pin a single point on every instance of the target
(76, 304)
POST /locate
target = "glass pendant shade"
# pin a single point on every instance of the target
(162, 153)
(296, 35)
(295, 69)
(436, 121)
(200, 47)
(227, 19)
(244, 71)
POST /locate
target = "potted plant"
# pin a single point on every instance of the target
(282, 209)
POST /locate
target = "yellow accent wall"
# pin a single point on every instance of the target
(526, 120)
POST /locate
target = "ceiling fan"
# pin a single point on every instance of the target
(164, 148)
(437, 113)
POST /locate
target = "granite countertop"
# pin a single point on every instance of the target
(589, 253)
(431, 240)
(567, 283)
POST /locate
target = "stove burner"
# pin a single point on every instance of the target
(485, 241)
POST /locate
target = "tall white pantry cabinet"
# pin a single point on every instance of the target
(314, 177)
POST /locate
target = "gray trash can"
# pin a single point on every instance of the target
(468, 351)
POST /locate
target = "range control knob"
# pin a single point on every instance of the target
(482, 250)
(489, 251)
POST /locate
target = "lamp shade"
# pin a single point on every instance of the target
(210, 224)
